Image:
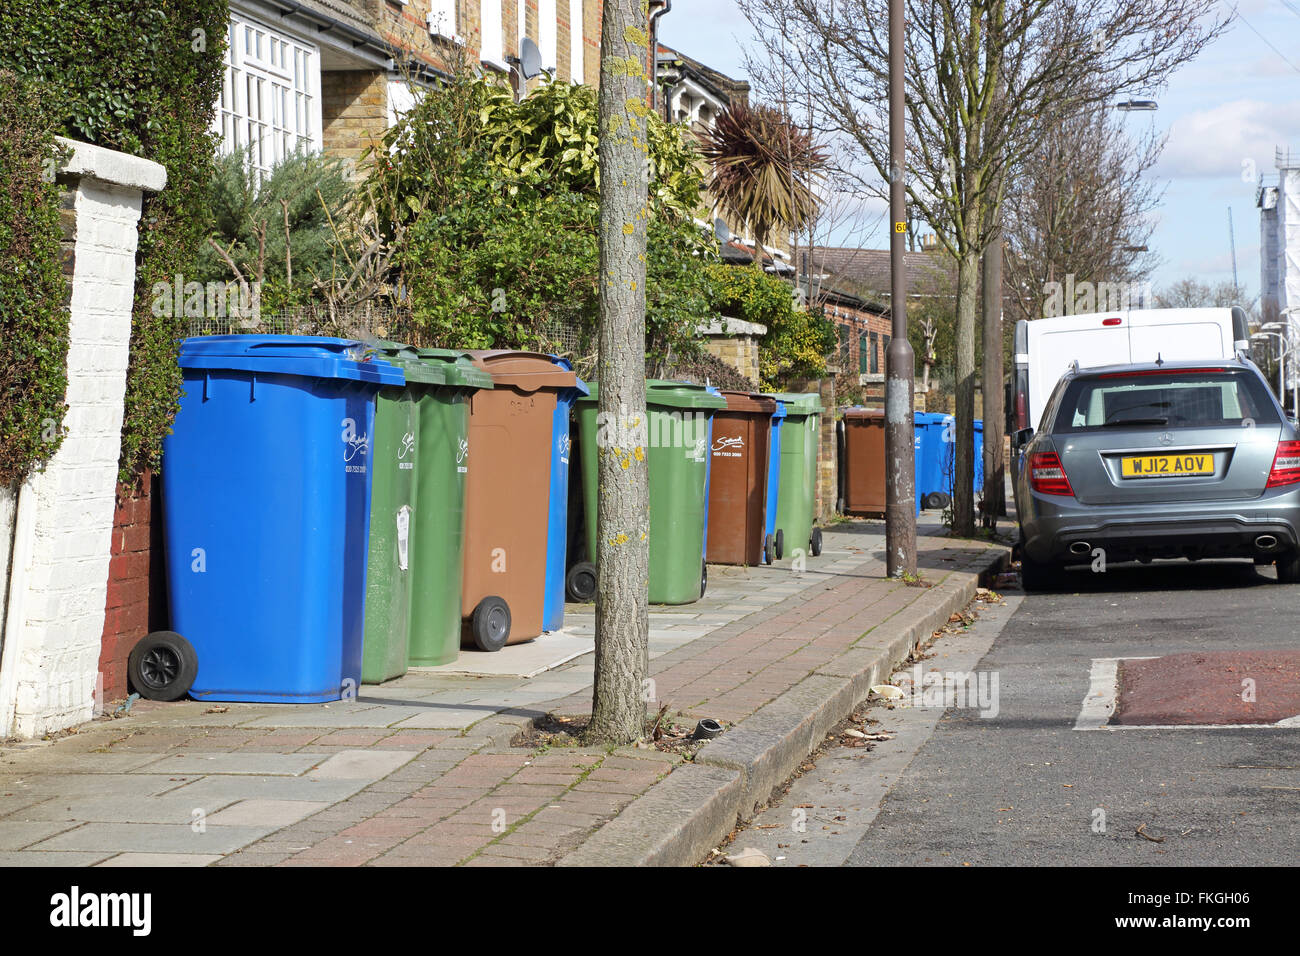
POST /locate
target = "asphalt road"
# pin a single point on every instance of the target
(1025, 788)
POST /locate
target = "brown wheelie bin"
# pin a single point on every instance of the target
(507, 496)
(862, 462)
(738, 478)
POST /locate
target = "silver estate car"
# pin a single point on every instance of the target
(1164, 460)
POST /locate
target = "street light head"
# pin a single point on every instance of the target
(1131, 104)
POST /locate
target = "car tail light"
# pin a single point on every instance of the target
(1112, 321)
(1047, 476)
(1022, 410)
(1286, 464)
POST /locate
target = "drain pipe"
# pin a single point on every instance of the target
(654, 52)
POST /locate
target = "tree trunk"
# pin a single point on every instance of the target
(995, 503)
(963, 496)
(623, 511)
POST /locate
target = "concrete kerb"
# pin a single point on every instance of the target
(694, 808)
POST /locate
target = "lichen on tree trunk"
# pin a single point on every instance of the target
(622, 514)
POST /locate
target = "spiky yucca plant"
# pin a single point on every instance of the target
(763, 168)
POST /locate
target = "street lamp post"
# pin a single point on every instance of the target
(1282, 353)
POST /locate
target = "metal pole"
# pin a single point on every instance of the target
(900, 480)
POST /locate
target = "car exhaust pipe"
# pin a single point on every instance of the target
(1080, 547)
(1266, 542)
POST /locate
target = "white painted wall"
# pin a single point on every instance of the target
(54, 618)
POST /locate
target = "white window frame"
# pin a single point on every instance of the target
(577, 45)
(444, 22)
(269, 105)
(492, 33)
(547, 33)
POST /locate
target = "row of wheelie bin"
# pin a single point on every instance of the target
(861, 447)
(323, 523)
(325, 527)
(732, 478)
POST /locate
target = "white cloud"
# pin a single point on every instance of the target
(1217, 141)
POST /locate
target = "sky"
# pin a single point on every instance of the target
(1225, 114)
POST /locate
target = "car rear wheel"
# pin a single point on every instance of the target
(1288, 569)
(1037, 576)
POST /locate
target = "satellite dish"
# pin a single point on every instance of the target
(720, 230)
(530, 59)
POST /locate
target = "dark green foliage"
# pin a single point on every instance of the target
(142, 78)
(797, 340)
(33, 316)
(315, 189)
(492, 207)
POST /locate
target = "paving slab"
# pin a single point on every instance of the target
(160, 859)
(43, 858)
(266, 813)
(361, 764)
(520, 660)
(153, 838)
(257, 764)
(16, 834)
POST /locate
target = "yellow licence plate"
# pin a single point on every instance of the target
(1167, 466)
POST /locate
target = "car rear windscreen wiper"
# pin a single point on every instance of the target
(1136, 421)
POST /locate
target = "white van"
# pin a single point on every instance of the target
(1045, 348)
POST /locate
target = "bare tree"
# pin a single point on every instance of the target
(623, 502)
(960, 135)
(1079, 205)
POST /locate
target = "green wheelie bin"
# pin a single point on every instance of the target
(393, 466)
(438, 548)
(678, 425)
(800, 439)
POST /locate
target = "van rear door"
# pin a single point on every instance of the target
(1092, 340)
(1176, 334)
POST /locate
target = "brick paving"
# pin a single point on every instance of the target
(458, 795)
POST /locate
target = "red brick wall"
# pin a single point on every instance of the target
(136, 601)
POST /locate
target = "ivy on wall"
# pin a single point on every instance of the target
(143, 79)
(33, 291)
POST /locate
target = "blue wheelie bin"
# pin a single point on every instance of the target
(557, 525)
(773, 537)
(949, 466)
(933, 438)
(266, 512)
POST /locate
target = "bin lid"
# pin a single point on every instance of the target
(457, 367)
(780, 407)
(408, 359)
(527, 371)
(930, 418)
(749, 402)
(801, 403)
(662, 393)
(312, 355)
(860, 413)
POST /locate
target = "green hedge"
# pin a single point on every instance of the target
(142, 78)
(33, 291)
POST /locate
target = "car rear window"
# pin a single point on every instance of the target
(1173, 399)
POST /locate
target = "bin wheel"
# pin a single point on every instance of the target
(769, 545)
(490, 623)
(780, 543)
(580, 582)
(936, 500)
(815, 542)
(162, 666)
(704, 576)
